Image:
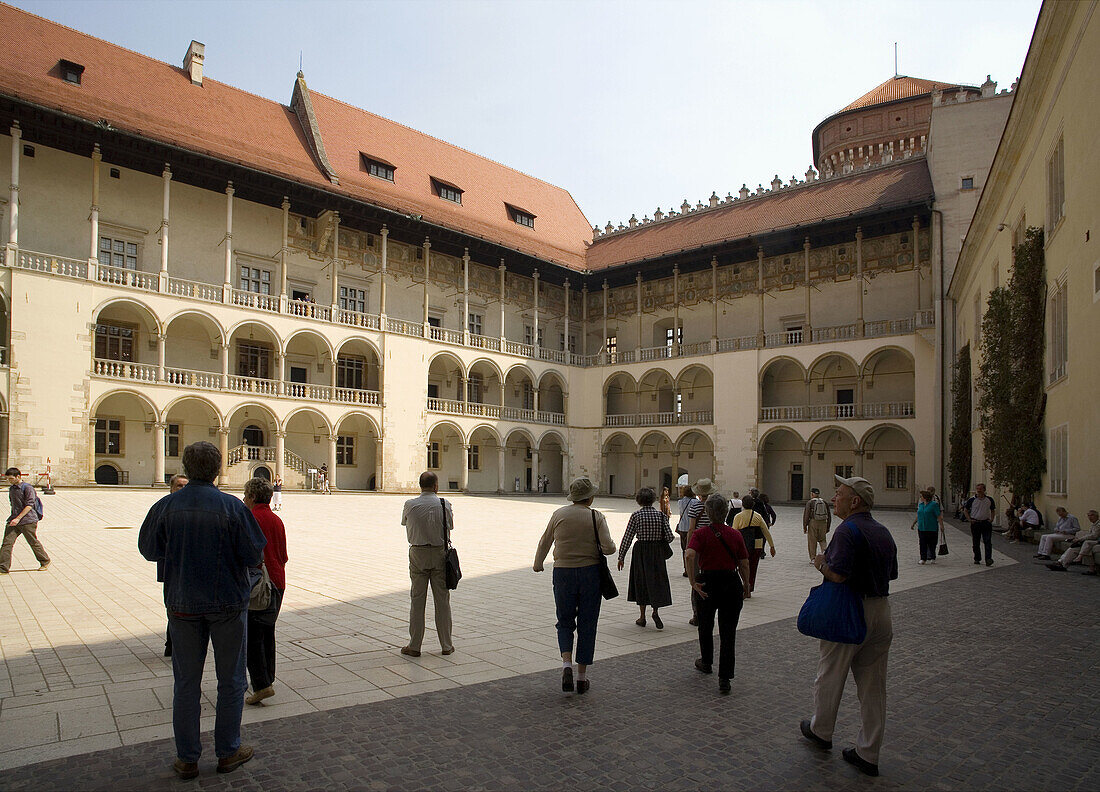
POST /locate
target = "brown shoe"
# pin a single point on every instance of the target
(186, 770)
(258, 696)
(228, 764)
(450, 651)
(405, 650)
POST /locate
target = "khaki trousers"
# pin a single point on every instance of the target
(28, 532)
(867, 662)
(816, 534)
(426, 566)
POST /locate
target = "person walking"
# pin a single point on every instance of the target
(423, 519)
(207, 540)
(666, 502)
(697, 518)
(720, 587)
(817, 519)
(753, 526)
(929, 524)
(23, 521)
(862, 555)
(978, 511)
(277, 494)
(648, 571)
(258, 493)
(579, 535)
(684, 521)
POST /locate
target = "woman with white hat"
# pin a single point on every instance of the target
(682, 505)
(579, 535)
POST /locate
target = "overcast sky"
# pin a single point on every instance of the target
(628, 105)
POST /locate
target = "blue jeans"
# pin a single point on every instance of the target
(577, 599)
(190, 636)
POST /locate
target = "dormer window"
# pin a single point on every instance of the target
(376, 167)
(521, 217)
(448, 192)
(70, 72)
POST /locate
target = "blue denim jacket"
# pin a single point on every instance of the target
(207, 540)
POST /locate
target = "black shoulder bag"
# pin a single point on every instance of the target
(452, 570)
(608, 589)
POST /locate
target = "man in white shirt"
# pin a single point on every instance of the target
(1080, 549)
(423, 520)
(1067, 527)
(978, 511)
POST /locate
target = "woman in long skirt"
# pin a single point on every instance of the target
(648, 573)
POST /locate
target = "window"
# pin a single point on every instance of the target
(118, 253)
(433, 455)
(1018, 232)
(473, 323)
(172, 441)
(254, 279)
(70, 72)
(978, 317)
(433, 390)
(448, 192)
(435, 321)
(382, 170)
(572, 342)
(351, 373)
(114, 342)
(612, 345)
(844, 471)
(108, 436)
(1059, 335)
(794, 334)
(352, 299)
(1056, 186)
(521, 217)
(968, 182)
(529, 335)
(539, 338)
(345, 450)
(528, 396)
(299, 375)
(474, 388)
(28, 151)
(897, 477)
(679, 403)
(674, 335)
(1058, 455)
(473, 458)
(254, 361)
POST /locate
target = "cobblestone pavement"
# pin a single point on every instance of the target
(994, 684)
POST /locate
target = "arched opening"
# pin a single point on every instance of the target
(783, 391)
(123, 437)
(553, 461)
(519, 394)
(833, 388)
(254, 360)
(620, 466)
(656, 399)
(483, 387)
(308, 366)
(124, 341)
(107, 474)
(307, 447)
(445, 374)
(445, 455)
(784, 472)
(358, 372)
(695, 395)
(251, 436)
(888, 384)
(192, 351)
(620, 400)
(832, 452)
(261, 471)
(484, 460)
(356, 453)
(519, 473)
(659, 468)
(888, 454)
(552, 394)
(188, 420)
(696, 455)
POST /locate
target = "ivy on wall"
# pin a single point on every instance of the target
(1011, 399)
(958, 461)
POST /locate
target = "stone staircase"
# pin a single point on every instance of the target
(244, 459)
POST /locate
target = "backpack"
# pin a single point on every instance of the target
(37, 501)
(820, 510)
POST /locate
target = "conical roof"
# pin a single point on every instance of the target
(897, 87)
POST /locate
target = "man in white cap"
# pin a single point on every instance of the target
(862, 555)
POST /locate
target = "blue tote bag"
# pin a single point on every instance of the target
(834, 612)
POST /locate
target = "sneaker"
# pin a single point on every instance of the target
(582, 686)
(228, 764)
(258, 696)
(921, 562)
(44, 567)
(932, 561)
(861, 764)
(186, 770)
(989, 561)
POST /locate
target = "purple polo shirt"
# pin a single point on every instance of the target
(869, 564)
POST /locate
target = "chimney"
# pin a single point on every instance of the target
(192, 61)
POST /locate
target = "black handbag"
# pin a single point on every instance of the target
(943, 543)
(608, 589)
(451, 569)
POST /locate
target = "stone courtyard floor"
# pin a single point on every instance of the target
(994, 672)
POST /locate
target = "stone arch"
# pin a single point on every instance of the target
(445, 424)
(317, 338)
(360, 414)
(888, 455)
(307, 409)
(620, 465)
(266, 326)
(484, 382)
(782, 388)
(359, 368)
(484, 468)
(445, 454)
(521, 368)
(492, 430)
(446, 372)
(122, 435)
(147, 314)
(525, 433)
(869, 359)
(360, 340)
(448, 355)
(888, 380)
(191, 397)
(553, 461)
(776, 431)
(552, 374)
(695, 455)
(821, 435)
(205, 317)
(357, 452)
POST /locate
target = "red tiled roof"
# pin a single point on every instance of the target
(897, 87)
(146, 97)
(896, 185)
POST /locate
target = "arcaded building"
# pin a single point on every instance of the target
(309, 284)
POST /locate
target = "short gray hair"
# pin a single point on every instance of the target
(258, 490)
(716, 507)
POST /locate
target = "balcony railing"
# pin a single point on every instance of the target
(309, 310)
(304, 390)
(481, 410)
(255, 300)
(120, 276)
(119, 369)
(205, 380)
(194, 290)
(485, 342)
(693, 417)
(58, 265)
(248, 453)
(837, 412)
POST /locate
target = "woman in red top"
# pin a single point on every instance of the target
(261, 624)
(721, 556)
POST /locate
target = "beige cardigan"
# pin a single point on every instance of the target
(570, 531)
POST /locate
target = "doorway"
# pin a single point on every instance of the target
(845, 403)
(796, 486)
(252, 435)
(262, 472)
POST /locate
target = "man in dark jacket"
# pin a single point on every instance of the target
(207, 541)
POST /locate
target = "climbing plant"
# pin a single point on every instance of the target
(1011, 399)
(958, 462)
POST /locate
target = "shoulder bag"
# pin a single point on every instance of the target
(608, 589)
(260, 597)
(834, 612)
(943, 543)
(451, 569)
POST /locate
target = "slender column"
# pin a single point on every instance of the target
(565, 339)
(535, 397)
(502, 316)
(280, 373)
(466, 298)
(464, 470)
(808, 478)
(13, 194)
(916, 261)
(638, 312)
(714, 303)
(280, 452)
(603, 484)
(807, 333)
(382, 281)
(227, 284)
(565, 471)
(93, 216)
(760, 291)
(166, 177)
(535, 338)
(158, 453)
(676, 310)
(464, 392)
(603, 344)
(637, 470)
(859, 462)
(378, 464)
(535, 470)
(675, 471)
(500, 468)
(584, 320)
(225, 364)
(91, 449)
(223, 447)
(332, 462)
(284, 255)
(335, 302)
(427, 275)
(162, 338)
(859, 281)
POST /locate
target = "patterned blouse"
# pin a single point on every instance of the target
(648, 525)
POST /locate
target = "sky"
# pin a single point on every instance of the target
(629, 106)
